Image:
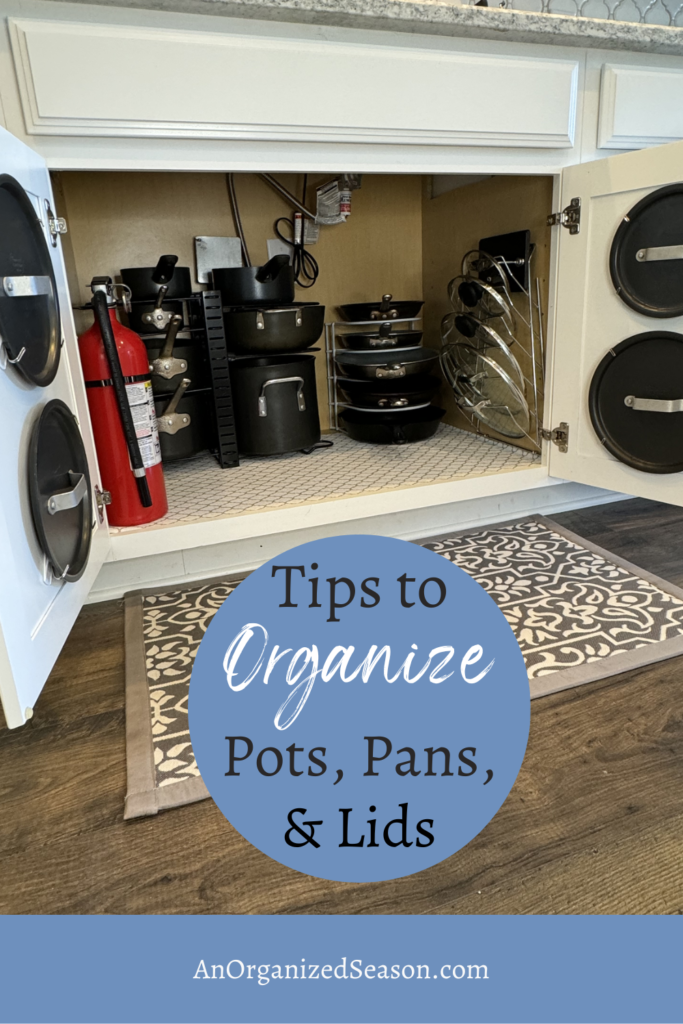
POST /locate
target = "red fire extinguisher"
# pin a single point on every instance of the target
(119, 387)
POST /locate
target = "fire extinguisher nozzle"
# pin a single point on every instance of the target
(143, 491)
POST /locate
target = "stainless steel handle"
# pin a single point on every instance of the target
(173, 328)
(161, 295)
(654, 404)
(178, 394)
(61, 501)
(661, 252)
(26, 287)
(390, 372)
(301, 401)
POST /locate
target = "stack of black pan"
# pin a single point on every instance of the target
(272, 374)
(384, 374)
(178, 358)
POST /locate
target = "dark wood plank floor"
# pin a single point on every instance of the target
(594, 823)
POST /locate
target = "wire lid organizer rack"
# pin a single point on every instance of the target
(493, 349)
(333, 349)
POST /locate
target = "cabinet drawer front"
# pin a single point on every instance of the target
(639, 107)
(78, 79)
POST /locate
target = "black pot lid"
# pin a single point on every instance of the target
(646, 260)
(60, 492)
(29, 309)
(630, 393)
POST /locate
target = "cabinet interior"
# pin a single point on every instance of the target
(406, 235)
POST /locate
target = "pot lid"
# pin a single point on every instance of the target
(29, 310)
(483, 338)
(60, 491)
(485, 390)
(646, 259)
(636, 402)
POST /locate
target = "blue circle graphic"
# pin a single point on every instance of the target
(359, 708)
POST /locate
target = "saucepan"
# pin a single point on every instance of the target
(271, 284)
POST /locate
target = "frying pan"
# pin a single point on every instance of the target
(397, 427)
(410, 391)
(390, 366)
(385, 337)
(387, 309)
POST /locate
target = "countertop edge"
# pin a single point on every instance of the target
(430, 17)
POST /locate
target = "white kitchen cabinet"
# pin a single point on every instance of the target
(86, 93)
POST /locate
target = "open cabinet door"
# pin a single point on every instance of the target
(53, 536)
(617, 367)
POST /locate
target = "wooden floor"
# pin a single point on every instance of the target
(594, 823)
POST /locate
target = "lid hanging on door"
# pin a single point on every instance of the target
(60, 492)
(646, 260)
(636, 402)
(29, 312)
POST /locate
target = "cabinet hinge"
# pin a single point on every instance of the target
(56, 225)
(569, 218)
(558, 435)
(102, 498)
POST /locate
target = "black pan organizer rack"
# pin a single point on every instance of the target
(205, 323)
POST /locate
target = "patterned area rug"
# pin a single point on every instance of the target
(579, 614)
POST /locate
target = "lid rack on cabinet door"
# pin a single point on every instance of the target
(334, 401)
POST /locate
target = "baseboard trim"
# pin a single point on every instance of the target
(117, 578)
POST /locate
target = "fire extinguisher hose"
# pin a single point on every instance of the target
(99, 302)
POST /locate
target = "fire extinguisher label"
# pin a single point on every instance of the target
(141, 401)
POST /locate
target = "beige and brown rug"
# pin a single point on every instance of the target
(579, 614)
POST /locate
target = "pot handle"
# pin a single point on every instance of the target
(272, 269)
(173, 328)
(164, 270)
(391, 371)
(301, 402)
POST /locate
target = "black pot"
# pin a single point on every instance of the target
(291, 329)
(387, 309)
(276, 404)
(186, 428)
(387, 365)
(391, 427)
(384, 338)
(145, 282)
(393, 394)
(273, 283)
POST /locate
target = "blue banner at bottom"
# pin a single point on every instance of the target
(340, 969)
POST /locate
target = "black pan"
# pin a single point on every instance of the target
(386, 366)
(398, 427)
(271, 284)
(145, 282)
(385, 337)
(387, 309)
(395, 394)
(289, 329)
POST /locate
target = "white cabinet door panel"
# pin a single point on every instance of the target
(640, 106)
(35, 617)
(590, 318)
(80, 79)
